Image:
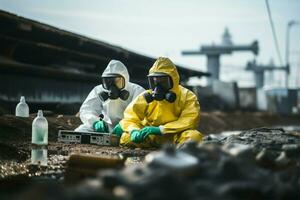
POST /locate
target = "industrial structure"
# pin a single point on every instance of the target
(51, 66)
(214, 52)
(228, 96)
(259, 71)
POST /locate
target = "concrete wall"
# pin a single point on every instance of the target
(219, 96)
(208, 101)
(261, 99)
(228, 93)
(247, 98)
(281, 100)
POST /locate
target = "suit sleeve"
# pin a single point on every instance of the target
(91, 108)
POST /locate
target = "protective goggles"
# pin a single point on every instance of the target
(109, 80)
(160, 79)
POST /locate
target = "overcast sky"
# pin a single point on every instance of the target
(166, 27)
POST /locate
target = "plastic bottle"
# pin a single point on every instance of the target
(40, 130)
(22, 109)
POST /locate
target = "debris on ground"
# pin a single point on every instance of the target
(258, 163)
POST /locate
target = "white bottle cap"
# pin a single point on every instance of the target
(22, 99)
(40, 113)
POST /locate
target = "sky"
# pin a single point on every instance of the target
(167, 27)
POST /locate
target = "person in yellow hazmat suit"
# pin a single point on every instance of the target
(166, 113)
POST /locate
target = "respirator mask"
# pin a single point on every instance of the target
(113, 85)
(160, 84)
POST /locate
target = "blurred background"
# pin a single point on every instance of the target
(266, 31)
(165, 28)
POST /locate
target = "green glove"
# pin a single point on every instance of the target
(118, 130)
(150, 130)
(100, 126)
(136, 136)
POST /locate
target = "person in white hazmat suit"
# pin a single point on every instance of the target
(104, 106)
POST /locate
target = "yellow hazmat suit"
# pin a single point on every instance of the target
(177, 121)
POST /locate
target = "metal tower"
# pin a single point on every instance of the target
(260, 69)
(213, 53)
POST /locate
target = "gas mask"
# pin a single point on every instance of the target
(160, 83)
(114, 87)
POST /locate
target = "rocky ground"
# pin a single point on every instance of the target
(19, 129)
(272, 151)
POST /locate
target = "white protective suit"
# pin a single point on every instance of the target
(112, 110)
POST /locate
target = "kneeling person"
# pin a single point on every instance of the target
(166, 113)
(108, 100)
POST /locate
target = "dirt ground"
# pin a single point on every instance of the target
(16, 148)
(216, 122)
(19, 129)
(17, 154)
(15, 132)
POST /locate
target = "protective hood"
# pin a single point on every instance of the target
(112, 110)
(165, 65)
(117, 67)
(171, 118)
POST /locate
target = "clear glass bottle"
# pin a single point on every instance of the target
(40, 130)
(22, 109)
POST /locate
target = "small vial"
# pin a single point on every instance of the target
(40, 130)
(22, 109)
